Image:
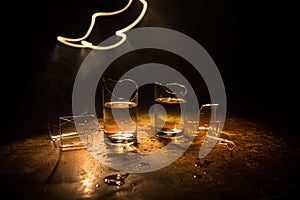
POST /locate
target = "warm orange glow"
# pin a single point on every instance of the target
(86, 184)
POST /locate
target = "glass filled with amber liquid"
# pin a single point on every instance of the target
(120, 102)
(170, 109)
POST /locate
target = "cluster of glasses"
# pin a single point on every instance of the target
(120, 123)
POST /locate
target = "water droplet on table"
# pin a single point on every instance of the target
(203, 164)
(132, 187)
(116, 179)
(197, 176)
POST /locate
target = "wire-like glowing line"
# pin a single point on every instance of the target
(120, 33)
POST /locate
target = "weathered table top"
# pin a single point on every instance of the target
(262, 165)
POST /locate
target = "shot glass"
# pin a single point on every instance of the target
(73, 132)
(208, 114)
(170, 109)
(120, 103)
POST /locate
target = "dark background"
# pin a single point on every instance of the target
(243, 38)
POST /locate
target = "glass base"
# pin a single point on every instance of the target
(169, 133)
(120, 139)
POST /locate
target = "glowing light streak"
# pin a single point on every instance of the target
(119, 33)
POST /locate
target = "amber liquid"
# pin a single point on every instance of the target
(120, 121)
(170, 122)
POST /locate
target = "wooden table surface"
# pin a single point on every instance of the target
(263, 165)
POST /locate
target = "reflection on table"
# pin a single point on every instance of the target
(35, 168)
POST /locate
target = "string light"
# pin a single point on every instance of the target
(120, 33)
